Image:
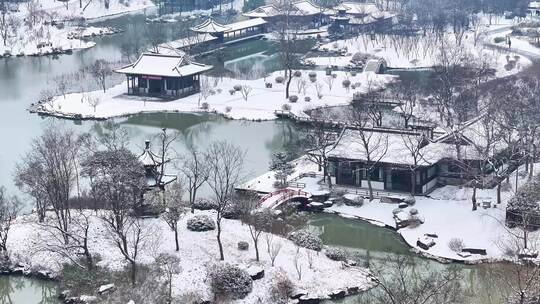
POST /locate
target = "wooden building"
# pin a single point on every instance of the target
(303, 13)
(233, 31)
(163, 75)
(363, 17)
(399, 158)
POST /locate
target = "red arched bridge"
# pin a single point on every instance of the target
(274, 199)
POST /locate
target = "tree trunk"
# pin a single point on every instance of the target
(256, 243)
(369, 185)
(176, 238)
(413, 182)
(288, 84)
(133, 273)
(499, 193)
(221, 256)
(474, 198)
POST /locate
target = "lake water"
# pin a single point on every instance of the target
(21, 80)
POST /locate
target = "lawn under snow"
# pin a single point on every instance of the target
(198, 251)
(419, 51)
(261, 102)
(95, 9)
(448, 214)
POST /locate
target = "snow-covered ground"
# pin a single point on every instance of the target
(448, 214)
(261, 102)
(96, 8)
(42, 39)
(421, 51)
(518, 43)
(198, 251)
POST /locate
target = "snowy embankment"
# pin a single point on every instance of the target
(410, 52)
(260, 104)
(94, 9)
(447, 213)
(199, 251)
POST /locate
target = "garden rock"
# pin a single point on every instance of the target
(255, 272)
(243, 245)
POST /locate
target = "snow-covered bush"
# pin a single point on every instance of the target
(243, 245)
(228, 109)
(237, 87)
(232, 212)
(230, 281)
(334, 75)
(353, 87)
(280, 79)
(336, 254)
(219, 90)
(353, 73)
(293, 98)
(307, 99)
(282, 288)
(413, 211)
(297, 74)
(286, 107)
(456, 244)
(200, 223)
(346, 83)
(306, 239)
(499, 39)
(212, 92)
(396, 211)
(410, 200)
(268, 85)
(205, 106)
(204, 204)
(232, 91)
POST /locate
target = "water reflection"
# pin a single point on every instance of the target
(20, 290)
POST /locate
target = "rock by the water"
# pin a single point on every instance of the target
(425, 242)
(255, 272)
(298, 293)
(106, 288)
(338, 294)
(306, 299)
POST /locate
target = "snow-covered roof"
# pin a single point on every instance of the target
(263, 11)
(245, 24)
(534, 5)
(165, 65)
(210, 26)
(363, 13)
(298, 8)
(148, 158)
(189, 41)
(350, 146)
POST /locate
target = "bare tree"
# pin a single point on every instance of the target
(225, 165)
(373, 144)
(258, 221)
(319, 143)
(298, 264)
(118, 180)
(414, 144)
(100, 71)
(169, 265)
(273, 250)
(93, 101)
(288, 43)
(10, 207)
(195, 170)
(245, 91)
(48, 173)
(403, 279)
(175, 207)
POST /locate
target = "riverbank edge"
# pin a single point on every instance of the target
(411, 247)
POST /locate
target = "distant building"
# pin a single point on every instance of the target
(436, 163)
(361, 16)
(301, 12)
(152, 167)
(232, 31)
(534, 8)
(163, 75)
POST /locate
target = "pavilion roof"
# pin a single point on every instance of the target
(210, 26)
(165, 65)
